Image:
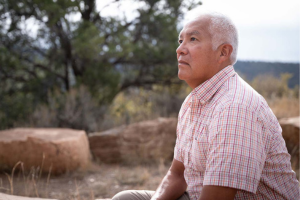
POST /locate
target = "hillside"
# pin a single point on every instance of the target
(251, 69)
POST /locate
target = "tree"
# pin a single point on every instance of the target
(105, 54)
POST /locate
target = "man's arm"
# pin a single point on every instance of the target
(173, 185)
(211, 192)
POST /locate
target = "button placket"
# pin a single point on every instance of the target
(191, 129)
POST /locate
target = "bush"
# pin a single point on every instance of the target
(78, 109)
(74, 109)
(269, 86)
(138, 104)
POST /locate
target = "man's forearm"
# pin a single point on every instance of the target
(172, 186)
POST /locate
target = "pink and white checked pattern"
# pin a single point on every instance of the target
(228, 136)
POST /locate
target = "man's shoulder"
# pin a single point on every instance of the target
(236, 93)
(240, 103)
(242, 94)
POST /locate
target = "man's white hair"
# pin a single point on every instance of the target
(222, 30)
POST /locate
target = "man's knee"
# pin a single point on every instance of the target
(134, 195)
(124, 195)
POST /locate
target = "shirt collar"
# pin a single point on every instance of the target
(207, 89)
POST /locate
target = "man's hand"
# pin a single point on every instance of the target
(210, 192)
(173, 185)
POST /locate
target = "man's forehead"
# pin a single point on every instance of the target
(195, 27)
(189, 32)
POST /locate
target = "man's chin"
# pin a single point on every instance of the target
(182, 76)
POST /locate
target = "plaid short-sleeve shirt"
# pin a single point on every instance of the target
(228, 136)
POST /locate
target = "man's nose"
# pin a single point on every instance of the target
(181, 50)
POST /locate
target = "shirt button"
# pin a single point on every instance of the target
(202, 102)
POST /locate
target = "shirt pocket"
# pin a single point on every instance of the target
(199, 148)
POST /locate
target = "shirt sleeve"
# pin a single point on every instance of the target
(177, 150)
(236, 152)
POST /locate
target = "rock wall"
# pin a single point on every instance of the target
(143, 142)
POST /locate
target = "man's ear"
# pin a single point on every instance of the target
(225, 52)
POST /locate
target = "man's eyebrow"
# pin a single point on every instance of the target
(195, 32)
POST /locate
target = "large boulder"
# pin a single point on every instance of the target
(143, 142)
(61, 150)
(290, 132)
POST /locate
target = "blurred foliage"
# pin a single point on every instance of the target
(283, 101)
(138, 104)
(75, 109)
(251, 69)
(106, 55)
(273, 87)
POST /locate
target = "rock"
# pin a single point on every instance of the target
(13, 197)
(105, 146)
(63, 149)
(143, 142)
(290, 132)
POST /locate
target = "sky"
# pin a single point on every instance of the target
(268, 29)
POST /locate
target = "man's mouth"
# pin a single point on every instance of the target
(181, 62)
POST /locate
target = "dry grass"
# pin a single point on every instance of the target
(284, 106)
(30, 183)
(99, 181)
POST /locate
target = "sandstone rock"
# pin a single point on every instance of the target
(63, 149)
(290, 132)
(13, 197)
(143, 142)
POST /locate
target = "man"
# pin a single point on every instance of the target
(229, 143)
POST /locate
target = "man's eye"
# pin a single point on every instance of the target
(180, 41)
(193, 39)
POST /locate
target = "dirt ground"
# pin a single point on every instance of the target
(99, 181)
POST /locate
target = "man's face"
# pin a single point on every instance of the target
(197, 62)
